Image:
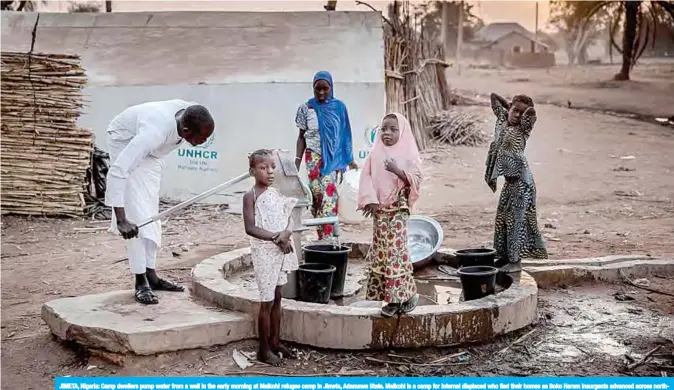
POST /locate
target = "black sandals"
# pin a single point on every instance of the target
(145, 296)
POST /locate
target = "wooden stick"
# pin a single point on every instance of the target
(519, 340)
(413, 364)
(628, 280)
(643, 359)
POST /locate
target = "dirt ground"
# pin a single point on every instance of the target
(648, 92)
(604, 187)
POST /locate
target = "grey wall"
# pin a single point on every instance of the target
(251, 70)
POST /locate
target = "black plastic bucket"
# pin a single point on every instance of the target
(337, 257)
(314, 282)
(474, 257)
(477, 281)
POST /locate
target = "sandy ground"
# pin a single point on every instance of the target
(604, 187)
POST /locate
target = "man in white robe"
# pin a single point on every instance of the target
(138, 140)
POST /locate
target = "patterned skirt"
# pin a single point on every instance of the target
(516, 233)
(323, 190)
(390, 269)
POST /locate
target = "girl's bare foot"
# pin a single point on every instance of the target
(284, 351)
(270, 358)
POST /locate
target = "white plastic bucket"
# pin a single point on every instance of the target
(348, 197)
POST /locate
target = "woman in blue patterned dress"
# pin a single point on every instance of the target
(325, 144)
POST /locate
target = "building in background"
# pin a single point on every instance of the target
(510, 37)
(508, 43)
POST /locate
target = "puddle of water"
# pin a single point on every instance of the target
(588, 322)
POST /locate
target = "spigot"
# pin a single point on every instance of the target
(334, 221)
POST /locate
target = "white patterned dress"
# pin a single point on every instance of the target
(271, 265)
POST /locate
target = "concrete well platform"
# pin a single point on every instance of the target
(221, 312)
(362, 327)
(115, 322)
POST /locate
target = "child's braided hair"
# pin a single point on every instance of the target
(258, 155)
(524, 99)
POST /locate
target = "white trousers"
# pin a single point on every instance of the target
(142, 254)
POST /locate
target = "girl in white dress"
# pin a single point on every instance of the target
(266, 216)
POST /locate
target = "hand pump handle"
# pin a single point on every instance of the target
(196, 199)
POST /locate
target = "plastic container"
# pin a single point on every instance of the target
(473, 257)
(314, 282)
(348, 197)
(477, 281)
(337, 257)
(289, 290)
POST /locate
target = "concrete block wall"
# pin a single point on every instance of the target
(251, 70)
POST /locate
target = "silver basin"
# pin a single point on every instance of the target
(424, 237)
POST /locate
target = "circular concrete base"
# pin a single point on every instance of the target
(113, 322)
(353, 327)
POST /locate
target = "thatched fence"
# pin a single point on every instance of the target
(45, 155)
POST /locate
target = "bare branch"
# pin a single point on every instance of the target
(376, 10)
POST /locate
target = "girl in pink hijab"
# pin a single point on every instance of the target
(389, 188)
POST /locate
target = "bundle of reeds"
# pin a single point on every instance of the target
(44, 154)
(458, 128)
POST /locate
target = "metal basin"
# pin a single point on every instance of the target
(424, 237)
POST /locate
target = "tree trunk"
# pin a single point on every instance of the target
(629, 35)
(108, 6)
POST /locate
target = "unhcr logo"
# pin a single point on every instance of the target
(370, 135)
(200, 151)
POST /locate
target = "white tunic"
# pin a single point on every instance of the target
(138, 140)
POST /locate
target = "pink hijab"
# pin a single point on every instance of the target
(377, 185)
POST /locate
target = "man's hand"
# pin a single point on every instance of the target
(127, 229)
(370, 209)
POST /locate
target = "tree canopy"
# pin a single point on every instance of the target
(582, 21)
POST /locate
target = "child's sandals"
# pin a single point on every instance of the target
(408, 306)
(390, 310)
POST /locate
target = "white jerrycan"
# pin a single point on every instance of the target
(348, 197)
